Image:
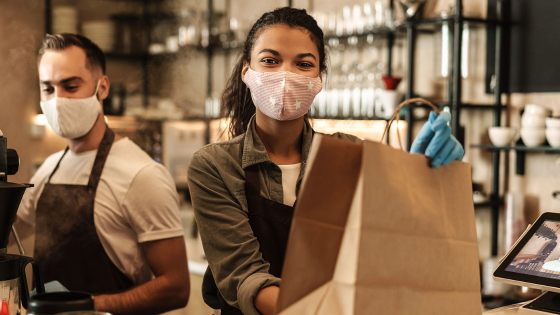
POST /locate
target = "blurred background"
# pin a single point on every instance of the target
(168, 62)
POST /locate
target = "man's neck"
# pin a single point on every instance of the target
(91, 140)
(282, 139)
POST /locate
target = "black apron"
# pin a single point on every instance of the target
(66, 242)
(271, 222)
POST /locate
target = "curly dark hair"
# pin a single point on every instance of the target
(236, 99)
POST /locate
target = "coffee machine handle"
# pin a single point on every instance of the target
(37, 279)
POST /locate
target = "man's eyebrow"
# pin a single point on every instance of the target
(301, 56)
(63, 81)
(272, 51)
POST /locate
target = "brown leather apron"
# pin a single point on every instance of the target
(271, 222)
(66, 243)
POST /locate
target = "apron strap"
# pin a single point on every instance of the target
(252, 182)
(57, 165)
(101, 158)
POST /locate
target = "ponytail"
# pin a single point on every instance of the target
(237, 103)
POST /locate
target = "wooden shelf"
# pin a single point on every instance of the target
(520, 148)
(489, 204)
(520, 151)
(437, 21)
(475, 106)
(382, 31)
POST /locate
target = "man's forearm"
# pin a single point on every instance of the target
(157, 296)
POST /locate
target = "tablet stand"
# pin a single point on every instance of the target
(548, 303)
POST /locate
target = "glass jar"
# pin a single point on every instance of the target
(59, 302)
(9, 297)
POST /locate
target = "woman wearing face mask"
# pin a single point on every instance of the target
(243, 190)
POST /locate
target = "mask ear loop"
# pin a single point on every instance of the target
(97, 90)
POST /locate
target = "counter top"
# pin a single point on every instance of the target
(506, 310)
(197, 268)
(195, 252)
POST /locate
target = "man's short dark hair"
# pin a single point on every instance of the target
(94, 56)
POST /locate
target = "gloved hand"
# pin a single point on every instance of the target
(436, 141)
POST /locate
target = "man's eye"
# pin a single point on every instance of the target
(71, 88)
(47, 90)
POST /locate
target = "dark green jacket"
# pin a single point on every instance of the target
(217, 184)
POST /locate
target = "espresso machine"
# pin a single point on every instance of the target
(14, 291)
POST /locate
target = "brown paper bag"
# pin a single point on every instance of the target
(378, 231)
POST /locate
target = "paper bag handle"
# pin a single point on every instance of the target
(397, 115)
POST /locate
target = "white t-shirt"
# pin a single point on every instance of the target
(136, 202)
(290, 174)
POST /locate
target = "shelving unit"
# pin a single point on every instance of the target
(498, 203)
(142, 57)
(148, 135)
(520, 151)
(410, 31)
(455, 103)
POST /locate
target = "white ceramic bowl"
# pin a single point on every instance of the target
(502, 136)
(553, 137)
(532, 137)
(532, 121)
(553, 122)
(538, 110)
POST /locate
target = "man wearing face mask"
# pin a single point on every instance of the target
(105, 215)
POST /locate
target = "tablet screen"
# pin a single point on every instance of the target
(540, 256)
(534, 261)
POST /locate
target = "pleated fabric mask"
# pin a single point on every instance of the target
(72, 118)
(282, 95)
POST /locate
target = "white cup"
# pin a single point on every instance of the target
(532, 121)
(502, 136)
(479, 197)
(532, 137)
(390, 100)
(552, 122)
(538, 110)
(553, 137)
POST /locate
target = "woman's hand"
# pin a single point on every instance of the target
(436, 141)
(266, 300)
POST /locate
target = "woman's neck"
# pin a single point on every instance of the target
(281, 139)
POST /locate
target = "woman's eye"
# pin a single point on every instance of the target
(305, 65)
(269, 61)
(47, 90)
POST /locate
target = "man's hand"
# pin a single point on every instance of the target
(168, 291)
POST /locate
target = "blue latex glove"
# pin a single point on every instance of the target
(436, 141)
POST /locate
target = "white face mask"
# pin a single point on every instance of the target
(282, 95)
(72, 118)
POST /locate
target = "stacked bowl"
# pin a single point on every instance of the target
(553, 131)
(533, 122)
(502, 136)
(64, 20)
(101, 33)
